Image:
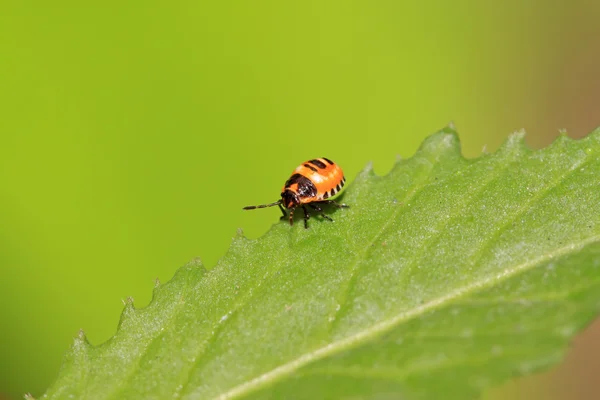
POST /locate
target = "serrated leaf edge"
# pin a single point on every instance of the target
(448, 137)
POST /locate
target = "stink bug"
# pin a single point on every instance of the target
(312, 183)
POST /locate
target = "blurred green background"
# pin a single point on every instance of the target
(132, 133)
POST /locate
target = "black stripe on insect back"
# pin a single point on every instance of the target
(318, 164)
(305, 186)
(313, 169)
(293, 179)
(328, 160)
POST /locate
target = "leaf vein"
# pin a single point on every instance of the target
(355, 270)
(526, 206)
(220, 326)
(386, 325)
(427, 243)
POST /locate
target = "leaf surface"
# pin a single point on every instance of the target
(444, 277)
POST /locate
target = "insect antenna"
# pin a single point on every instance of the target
(277, 203)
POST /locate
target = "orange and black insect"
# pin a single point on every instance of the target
(312, 183)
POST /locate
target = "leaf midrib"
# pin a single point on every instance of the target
(386, 325)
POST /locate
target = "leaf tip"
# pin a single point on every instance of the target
(80, 341)
(128, 310)
(367, 171)
(156, 289)
(518, 135)
(127, 301)
(194, 269)
(562, 140)
(128, 306)
(441, 141)
(515, 141)
(195, 262)
(239, 234)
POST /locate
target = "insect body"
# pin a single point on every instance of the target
(312, 183)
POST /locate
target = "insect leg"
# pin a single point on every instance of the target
(282, 211)
(319, 209)
(292, 216)
(306, 217)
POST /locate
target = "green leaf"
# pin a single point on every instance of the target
(443, 277)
